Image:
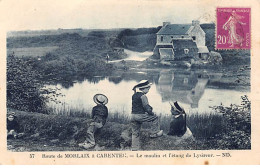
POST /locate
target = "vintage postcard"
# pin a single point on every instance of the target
(164, 82)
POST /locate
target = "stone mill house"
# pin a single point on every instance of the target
(180, 41)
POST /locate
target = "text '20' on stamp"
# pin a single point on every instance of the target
(233, 28)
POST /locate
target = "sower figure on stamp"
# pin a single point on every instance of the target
(232, 26)
(142, 112)
(99, 117)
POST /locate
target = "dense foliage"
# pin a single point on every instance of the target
(237, 132)
(66, 70)
(140, 31)
(24, 86)
(142, 39)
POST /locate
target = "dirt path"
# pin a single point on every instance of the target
(134, 56)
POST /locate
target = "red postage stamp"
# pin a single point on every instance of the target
(233, 28)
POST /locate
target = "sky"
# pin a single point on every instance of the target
(101, 14)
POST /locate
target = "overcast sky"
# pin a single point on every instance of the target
(101, 14)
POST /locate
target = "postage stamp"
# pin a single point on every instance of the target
(233, 28)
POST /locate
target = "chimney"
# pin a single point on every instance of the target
(195, 23)
(166, 23)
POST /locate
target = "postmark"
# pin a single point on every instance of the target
(233, 28)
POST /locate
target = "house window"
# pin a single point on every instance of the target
(171, 36)
(193, 38)
(182, 36)
(161, 38)
(186, 51)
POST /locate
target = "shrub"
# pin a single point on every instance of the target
(215, 58)
(23, 86)
(237, 133)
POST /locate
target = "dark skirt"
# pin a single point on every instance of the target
(178, 126)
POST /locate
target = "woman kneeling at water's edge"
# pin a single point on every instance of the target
(178, 125)
(142, 112)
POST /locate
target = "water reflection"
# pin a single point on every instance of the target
(186, 87)
(192, 89)
(96, 79)
(115, 79)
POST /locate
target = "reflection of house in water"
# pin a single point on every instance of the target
(165, 80)
(115, 79)
(185, 87)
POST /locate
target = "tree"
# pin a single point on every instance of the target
(24, 89)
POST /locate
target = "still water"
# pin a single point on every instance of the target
(195, 91)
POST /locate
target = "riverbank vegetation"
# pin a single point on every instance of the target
(26, 78)
(24, 88)
(224, 128)
(73, 55)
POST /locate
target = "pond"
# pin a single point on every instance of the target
(194, 90)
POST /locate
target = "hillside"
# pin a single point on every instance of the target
(95, 44)
(61, 133)
(32, 33)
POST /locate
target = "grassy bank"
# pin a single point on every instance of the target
(195, 121)
(229, 129)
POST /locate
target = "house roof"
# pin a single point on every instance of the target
(184, 43)
(166, 52)
(203, 49)
(190, 29)
(174, 29)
